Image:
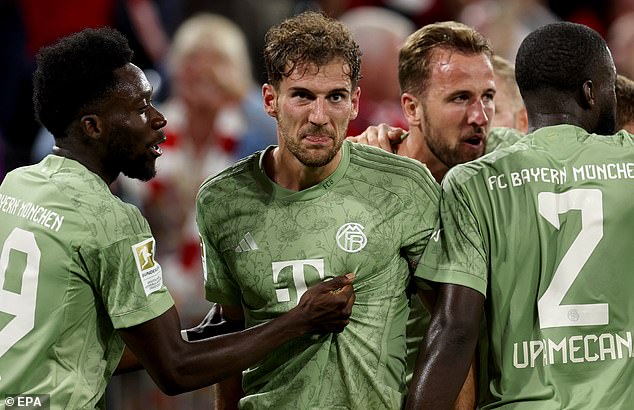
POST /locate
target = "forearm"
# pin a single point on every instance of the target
(211, 360)
(178, 366)
(447, 350)
(468, 396)
(440, 372)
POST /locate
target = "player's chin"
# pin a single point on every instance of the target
(142, 171)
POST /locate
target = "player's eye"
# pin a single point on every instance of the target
(337, 97)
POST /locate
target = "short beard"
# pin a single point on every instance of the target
(449, 156)
(304, 156)
(122, 160)
(141, 171)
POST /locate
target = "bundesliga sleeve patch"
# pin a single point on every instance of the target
(149, 270)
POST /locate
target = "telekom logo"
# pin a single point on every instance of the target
(299, 279)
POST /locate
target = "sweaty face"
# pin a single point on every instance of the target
(312, 109)
(457, 107)
(133, 125)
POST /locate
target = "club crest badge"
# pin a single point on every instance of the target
(350, 237)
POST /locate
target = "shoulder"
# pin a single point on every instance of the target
(238, 176)
(380, 164)
(500, 137)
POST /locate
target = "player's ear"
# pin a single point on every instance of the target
(91, 125)
(269, 96)
(411, 109)
(587, 94)
(356, 95)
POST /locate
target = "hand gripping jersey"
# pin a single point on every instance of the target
(265, 245)
(76, 264)
(542, 229)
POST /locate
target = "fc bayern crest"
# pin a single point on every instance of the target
(350, 237)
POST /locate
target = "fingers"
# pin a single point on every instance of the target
(348, 291)
(395, 135)
(382, 136)
(327, 306)
(335, 284)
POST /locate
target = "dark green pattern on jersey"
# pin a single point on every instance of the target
(88, 284)
(394, 199)
(498, 241)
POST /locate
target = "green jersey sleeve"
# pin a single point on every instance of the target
(455, 252)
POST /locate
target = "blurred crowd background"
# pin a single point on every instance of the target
(203, 58)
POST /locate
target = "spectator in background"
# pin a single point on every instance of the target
(212, 112)
(379, 33)
(511, 120)
(624, 104)
(620, 38)
(506, 22)
(510, 111)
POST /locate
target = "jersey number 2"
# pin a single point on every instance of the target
(20, 305)
(551, 312)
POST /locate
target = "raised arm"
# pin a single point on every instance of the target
(447, 349)
(178, 366)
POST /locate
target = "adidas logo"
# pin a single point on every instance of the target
(247, 244)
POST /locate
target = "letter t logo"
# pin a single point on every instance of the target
(283, 295)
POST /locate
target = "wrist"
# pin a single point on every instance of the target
(295, 323)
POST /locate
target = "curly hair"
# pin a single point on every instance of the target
(309, 38)
(559, 56)
(74, 72)
(414, 68)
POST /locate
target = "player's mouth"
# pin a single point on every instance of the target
(156, 149)
(318, 139)
(476, 141)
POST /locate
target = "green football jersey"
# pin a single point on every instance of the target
(420, 317)
(76, 264)
(542, 229)
(501, 137)
(265, 245)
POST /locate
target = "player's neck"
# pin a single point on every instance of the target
(415, 147)
(87, 159)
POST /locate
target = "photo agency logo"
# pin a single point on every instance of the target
(27, 401)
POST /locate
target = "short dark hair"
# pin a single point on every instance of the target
(74, 72)
(559, 56)
(414, 59)
(305, 39)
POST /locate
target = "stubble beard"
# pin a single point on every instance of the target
(313, 158)
(439, 146)
(137, 166)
